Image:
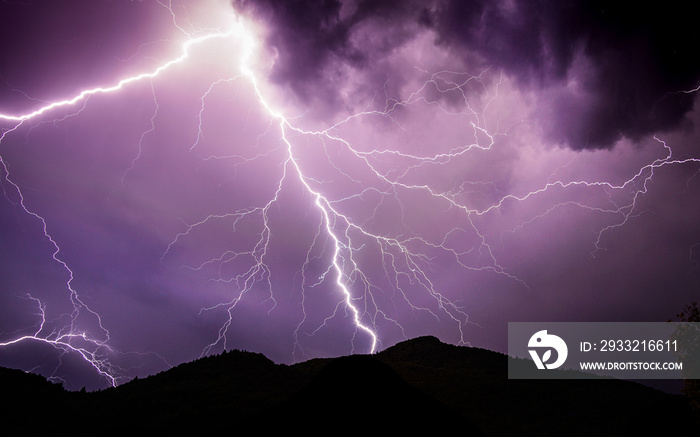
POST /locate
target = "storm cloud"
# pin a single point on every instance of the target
(612, 70)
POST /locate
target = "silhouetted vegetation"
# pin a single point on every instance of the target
(689, 354)
(417, 384)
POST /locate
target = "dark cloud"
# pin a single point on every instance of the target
(314, 40)
(307, 37)
(637, 56)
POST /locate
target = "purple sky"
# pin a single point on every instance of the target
(462, 164)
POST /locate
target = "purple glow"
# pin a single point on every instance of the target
(305, 182)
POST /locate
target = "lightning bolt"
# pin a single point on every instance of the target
(92, 347)
(372, 266)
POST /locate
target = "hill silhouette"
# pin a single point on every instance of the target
(419, 384)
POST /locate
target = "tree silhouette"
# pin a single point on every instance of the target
(688, 338)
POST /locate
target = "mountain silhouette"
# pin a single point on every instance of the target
(365, 393)
(416, 385)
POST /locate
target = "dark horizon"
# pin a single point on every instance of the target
(420, 382)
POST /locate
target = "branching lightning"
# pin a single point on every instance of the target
(364, 261)
(91, 346)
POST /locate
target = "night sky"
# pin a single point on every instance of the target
(309, 178)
